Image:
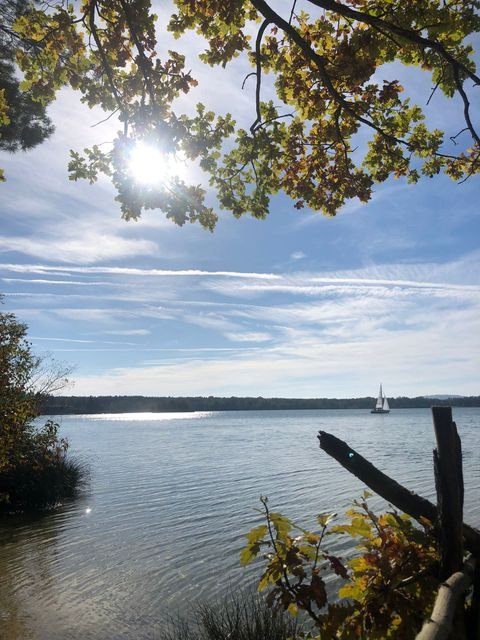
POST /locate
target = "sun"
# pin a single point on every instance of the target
(150, 166)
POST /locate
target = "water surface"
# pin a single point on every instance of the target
(171, 497)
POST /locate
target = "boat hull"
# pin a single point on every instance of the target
(380, 411)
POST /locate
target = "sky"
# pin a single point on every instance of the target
(297, 305)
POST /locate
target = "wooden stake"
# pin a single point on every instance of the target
(447, 459)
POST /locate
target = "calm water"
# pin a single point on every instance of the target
(171, 496)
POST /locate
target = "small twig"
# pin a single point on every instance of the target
(265, 122)
(454, 138)
(292, 12)
(434, 89)
(247, 77)
(105, 119)
(272, 538)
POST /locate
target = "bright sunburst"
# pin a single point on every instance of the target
(151, 166)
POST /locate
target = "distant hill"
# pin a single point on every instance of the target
(61, 405)
(443, 397)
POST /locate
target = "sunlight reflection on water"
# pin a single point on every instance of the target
(145, 417)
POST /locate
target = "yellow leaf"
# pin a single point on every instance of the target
(351, 591)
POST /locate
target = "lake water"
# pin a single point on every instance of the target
(171, 497)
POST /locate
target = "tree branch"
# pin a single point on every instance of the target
(466, 105)
(258, 73)
(319, 62)
(106, 65)
(408, 34)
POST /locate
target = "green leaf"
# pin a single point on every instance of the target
(249, 553)
(325, 519)
(256, 534)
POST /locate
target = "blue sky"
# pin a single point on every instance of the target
(297, 305)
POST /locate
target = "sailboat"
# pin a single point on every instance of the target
(382, 403)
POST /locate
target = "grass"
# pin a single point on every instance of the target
(42, 486)
(240, 617)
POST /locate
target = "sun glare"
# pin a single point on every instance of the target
(150, 166)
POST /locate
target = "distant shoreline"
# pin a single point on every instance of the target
(64, 405)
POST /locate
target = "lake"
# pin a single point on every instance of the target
(170, 499)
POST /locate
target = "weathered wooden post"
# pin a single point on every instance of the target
(448, 612)
(447, 460)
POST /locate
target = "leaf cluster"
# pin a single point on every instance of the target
(385, 589)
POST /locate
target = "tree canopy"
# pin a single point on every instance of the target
(329, 116)
(23, 120)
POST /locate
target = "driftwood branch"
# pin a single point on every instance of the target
(439, 626)
(389, 489)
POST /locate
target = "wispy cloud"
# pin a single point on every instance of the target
(248, 336)
(311, 333)
(75, 283)
(132, 271)
(79, 341)
(128, 332)
(88, 247)
(298, 255)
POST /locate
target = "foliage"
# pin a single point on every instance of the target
(34, 469)
(241, 616)
(330, 121)
(23, 120)
(386, 588)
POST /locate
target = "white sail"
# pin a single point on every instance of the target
(379, 404)
(385, 404)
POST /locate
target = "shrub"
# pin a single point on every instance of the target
(43, 485)
(386, 588)
(35, 471)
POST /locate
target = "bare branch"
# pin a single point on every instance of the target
(249, 75)
(258, 73)
(292, 12)
(466, 105)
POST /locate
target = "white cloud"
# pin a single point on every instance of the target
(211, 321)
(132, 271)
(248, 336)
(78, 248)
(74, 283)
(128, 332)
(298, 255)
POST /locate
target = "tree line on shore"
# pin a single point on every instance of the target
(62, 405)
